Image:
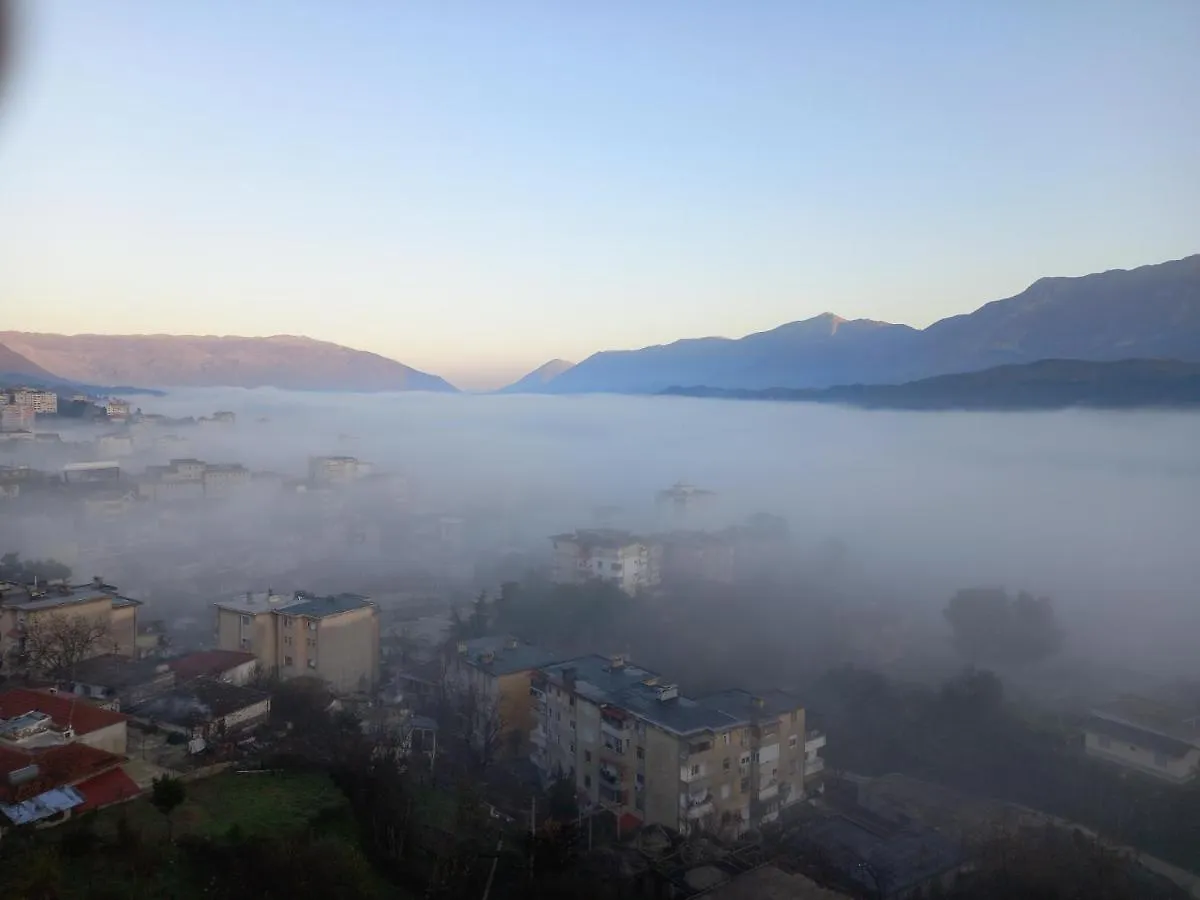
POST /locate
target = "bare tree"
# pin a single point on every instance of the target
(58, 643)
(477, 722)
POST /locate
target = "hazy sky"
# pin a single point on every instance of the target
(476, 187)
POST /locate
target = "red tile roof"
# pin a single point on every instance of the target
(57, 766)
(65, 709)
(207, 662)
(111, 787)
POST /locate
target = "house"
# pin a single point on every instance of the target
(38, 718)
(635, 746)
(206, 709)
(495, 673)
(46, 786)
(225, 479)
(609, 555)
(1154, 738)
(336, 470)
(116, 409)
(231, 666)
(334, 638)
(102, 471)
(118, 680)
(25, 610)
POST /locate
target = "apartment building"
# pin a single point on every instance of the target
(633, 745)
(44, 402)
(15, 418)
(605, 554)
(336, 470)
(334, 638)
(225, 479)
(688, 556)
(116, 409)
(25, 608)
(497, 671)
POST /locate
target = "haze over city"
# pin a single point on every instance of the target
(532, 451)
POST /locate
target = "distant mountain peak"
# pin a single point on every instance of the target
(539, 377)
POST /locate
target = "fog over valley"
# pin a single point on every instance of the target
(886, 511)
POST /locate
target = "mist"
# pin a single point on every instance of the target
(886, 510)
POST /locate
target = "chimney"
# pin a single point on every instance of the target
(616, 663)
(487, 658)
(97, 581)
(668, 692)
(510, 644)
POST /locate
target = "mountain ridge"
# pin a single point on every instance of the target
(1149, 311)
(539, 376)
(294, 362)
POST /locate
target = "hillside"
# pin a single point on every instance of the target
(1043, 385)
(1152, 312)
(536, 379)
(282, 361)
(14, 366)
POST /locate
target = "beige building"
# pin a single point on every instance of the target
(225, 480)
(23, 609)
(495, 674)
(690, 556)
(17, 418)
(116, 409)
(45, 402)
(633, 745)
(1149, 737)
(333, 638)
(604, 554)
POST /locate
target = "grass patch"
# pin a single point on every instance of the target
(261, 804)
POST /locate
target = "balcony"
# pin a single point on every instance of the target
(687, 776)
(813, 766)
(814, 741)
(768, 790)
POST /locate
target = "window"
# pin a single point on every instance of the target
(245, 620)
(245, 643)
(727, 737)
(312, 663)
(287, 621)
(587, 781)
(587, 755)
(792, 766)
(695, 770)
(746, 784)
(572, 700)
(795, 716)
(792, 742)
(312, 642)
(641, 752)
(639, 803)
(288, 641)
(287, 660)
(725, 765)
(572, 724)
(641, 779)
(572, 746)
(726, 790)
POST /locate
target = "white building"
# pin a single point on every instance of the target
(616, 557)
(116, 409)
(1151, 737)
(328, 470)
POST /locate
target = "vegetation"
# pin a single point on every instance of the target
(57, 642)
(27, 571)
(166, 795)
(992, 627)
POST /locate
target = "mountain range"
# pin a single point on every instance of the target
(163, 360)
(1151, 312)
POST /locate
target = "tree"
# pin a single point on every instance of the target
(18, 571)
(166, 794)
(56, 642)
(974, 693)
(476, 723)
(991, 626)
(563, 802)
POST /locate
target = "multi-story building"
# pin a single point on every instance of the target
(225, 479)
(101, 471)
(687, 556)
(40, 401)
(25, 608)
(17, 418)
(496, 672)
(116, 409)
(332, 638)
(335, 470)
(633, 745)
(616, 557)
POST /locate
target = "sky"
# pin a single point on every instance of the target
(474, 188)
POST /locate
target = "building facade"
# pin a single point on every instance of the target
(615, 557)
(1152, 738)
(333, 638)
(633, 745)
(40, 401)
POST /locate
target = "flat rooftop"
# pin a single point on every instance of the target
(508, 655)
(1147, 715)
(599, 537)
(320, 607)
(636, 690)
